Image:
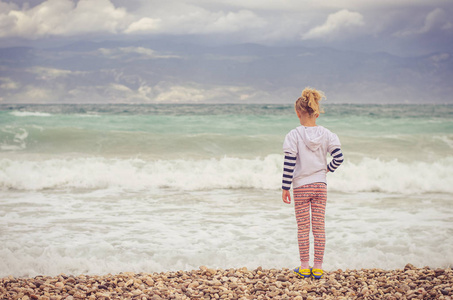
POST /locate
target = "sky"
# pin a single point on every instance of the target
(404, 29)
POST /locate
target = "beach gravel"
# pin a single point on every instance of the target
(207, 283)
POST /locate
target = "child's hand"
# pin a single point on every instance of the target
(286, 196)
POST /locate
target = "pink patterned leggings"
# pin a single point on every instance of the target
(312, 196)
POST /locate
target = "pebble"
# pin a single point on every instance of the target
(207, 283)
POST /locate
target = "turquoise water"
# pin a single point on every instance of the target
(212, 131)
(165, 187)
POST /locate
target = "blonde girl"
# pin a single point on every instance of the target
(305, 168)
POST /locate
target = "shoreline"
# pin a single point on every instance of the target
(205, 283)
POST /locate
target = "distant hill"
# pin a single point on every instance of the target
(158, 71)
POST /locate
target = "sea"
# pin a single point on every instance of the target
(110, 188)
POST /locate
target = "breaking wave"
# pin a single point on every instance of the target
(368, 175)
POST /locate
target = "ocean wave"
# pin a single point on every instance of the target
(368, 175)
(16, 138)
(375, 175)
(29, 114)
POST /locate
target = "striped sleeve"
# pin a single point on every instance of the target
(336, 161)
(288, 169)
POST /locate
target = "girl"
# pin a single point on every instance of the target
(305, 166)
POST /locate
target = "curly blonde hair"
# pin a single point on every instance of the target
(309, 101)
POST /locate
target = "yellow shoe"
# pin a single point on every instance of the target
(304, 273)
(317, 273)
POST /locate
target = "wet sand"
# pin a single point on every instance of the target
(205, 283)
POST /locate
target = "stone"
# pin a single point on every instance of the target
(411, 283)
(212, 272)
(59, 285)
(129, 282)
(403, 288)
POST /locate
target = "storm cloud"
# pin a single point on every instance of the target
(399, 25)
(224, 51)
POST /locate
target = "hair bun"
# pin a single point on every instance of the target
(309, 101)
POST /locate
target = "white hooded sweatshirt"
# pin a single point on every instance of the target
(310, 145)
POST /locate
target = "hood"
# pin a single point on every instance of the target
(312, 136)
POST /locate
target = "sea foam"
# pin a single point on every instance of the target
(30, 114)
(368, 175)
(97, 232)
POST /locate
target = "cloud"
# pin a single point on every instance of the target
(303, 5)
(178, 93)
(8, 84)
(32, 94)
(335, 25)
(234, 21)
(440, 57)
(182, 18)
(436, 19)
(45, 73)
(38, 93)
(72, 18)
(190, 92)
(161, 92)
(144, 25)
(5, 7)
(61, 18)
(350, 24)
(139, 52)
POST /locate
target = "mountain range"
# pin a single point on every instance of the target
(171, 71)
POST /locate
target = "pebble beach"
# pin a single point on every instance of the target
(206, 283)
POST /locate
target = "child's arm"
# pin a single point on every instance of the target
(288, 169)
(286, 196)
(336, 161)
